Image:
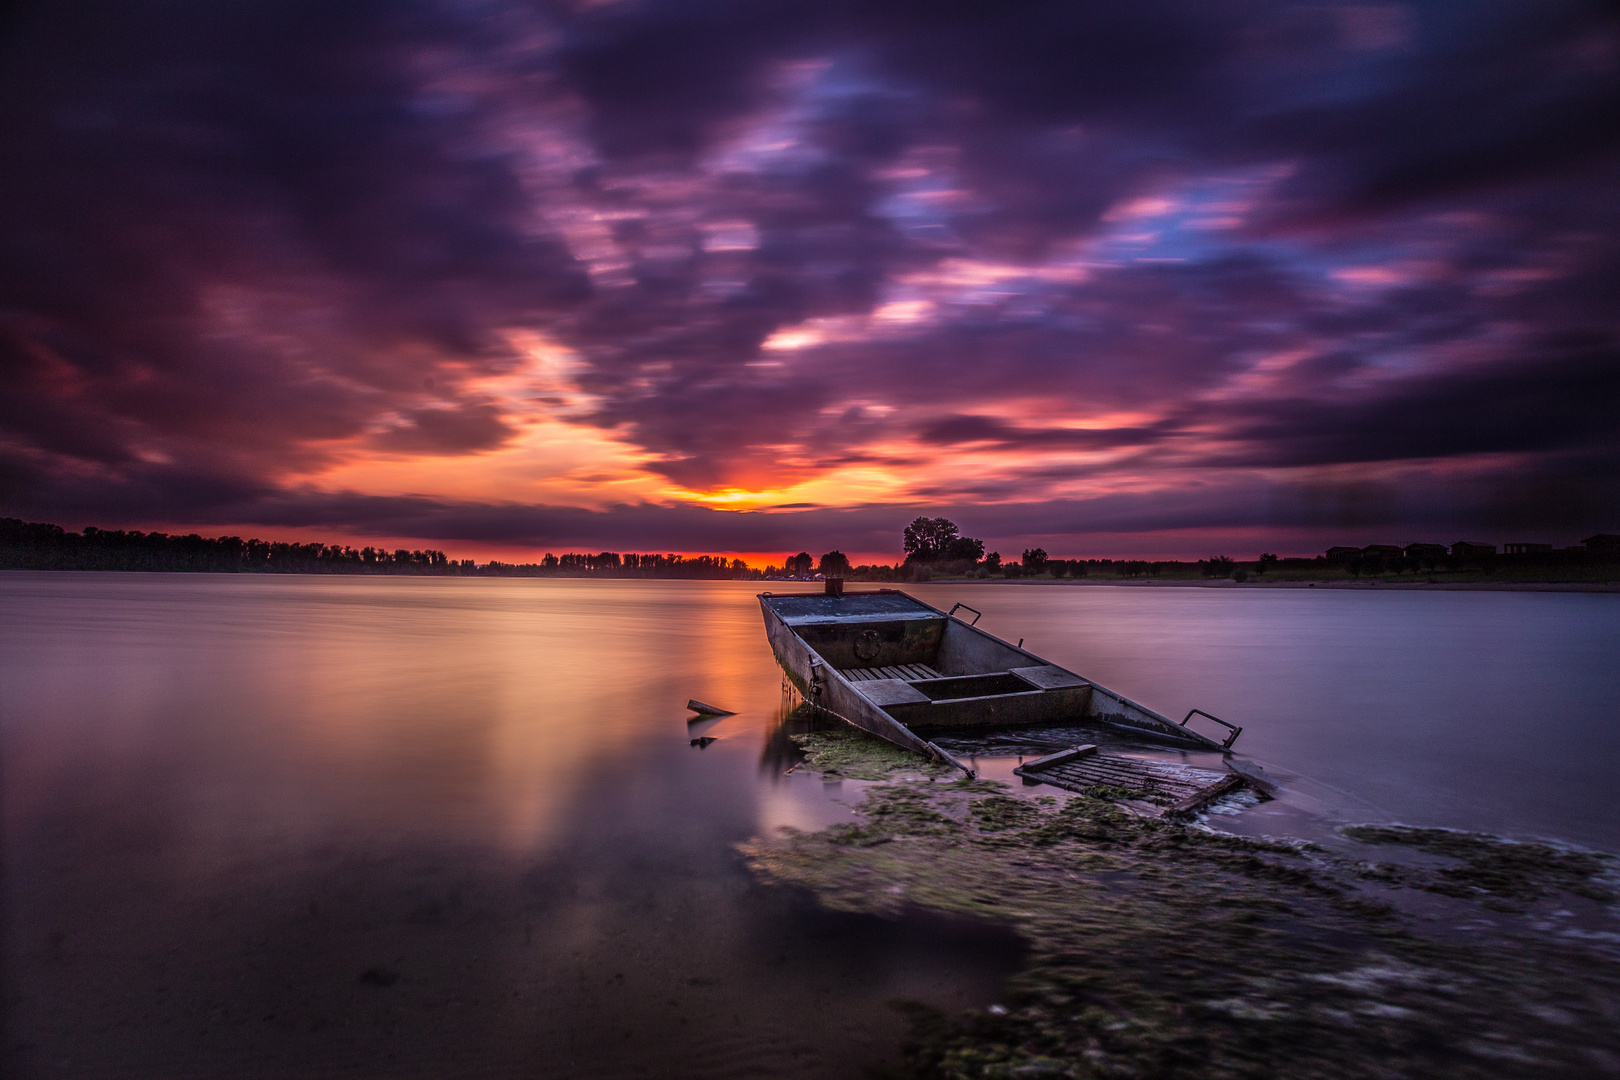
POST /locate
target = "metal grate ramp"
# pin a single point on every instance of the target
(1180, 789)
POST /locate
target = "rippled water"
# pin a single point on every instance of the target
(394, 827)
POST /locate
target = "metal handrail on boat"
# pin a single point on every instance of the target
(1233, 728)
(977, 615)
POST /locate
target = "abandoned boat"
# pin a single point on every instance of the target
(900, 669)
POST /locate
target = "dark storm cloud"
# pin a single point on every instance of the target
(449, 431)
(232, 230)
(986, 429)
(1564, 395)
(234, 236)
(1492, 93)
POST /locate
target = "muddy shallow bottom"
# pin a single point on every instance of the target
(1167, 950)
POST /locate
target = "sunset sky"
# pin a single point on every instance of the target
(1113, 279)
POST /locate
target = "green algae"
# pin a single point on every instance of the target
(849, 752)
(1162, 950)
(1508, 874)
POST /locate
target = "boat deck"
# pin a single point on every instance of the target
(907, 672)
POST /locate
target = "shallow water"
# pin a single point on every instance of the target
(283, 826)
(1497, 711)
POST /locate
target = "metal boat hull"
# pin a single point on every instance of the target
(898, 668)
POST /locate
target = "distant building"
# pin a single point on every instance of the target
(1388, 551)
(1464, 547)
(1527, 549)
(1337, 553)
(1603, 544)
(1425, 551)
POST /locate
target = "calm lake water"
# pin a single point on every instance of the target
(267, 827)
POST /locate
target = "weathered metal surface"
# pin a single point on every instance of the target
(824, 687)
(1108, 707)
(1233, 728)
(1048, 676)
(967, 649)
(996, 710)
(1257, 778)
(939, 672)
(898, 671)
(806, 609)
(885, 693)
(1179, 789)
(869, 643)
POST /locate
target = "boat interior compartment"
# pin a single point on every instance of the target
(971, 686)
(866, 631)
(986, 700)
(888, 635)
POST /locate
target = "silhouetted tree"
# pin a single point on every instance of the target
(926, 539)
(992, 561)
(1034, 560)
(799, 565)
(834, 564)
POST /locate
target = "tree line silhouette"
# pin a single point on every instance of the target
(41, 546)
(934, 548)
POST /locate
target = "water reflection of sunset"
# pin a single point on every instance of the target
(475, 710)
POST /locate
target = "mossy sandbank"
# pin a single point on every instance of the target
(855, 755)
(1165, 950)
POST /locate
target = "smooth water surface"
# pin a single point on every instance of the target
(310, 826)
(1497, 711)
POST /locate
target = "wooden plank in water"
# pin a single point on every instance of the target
(708, 710)
(1258, 778)
(1192, 803)
(1061, 756)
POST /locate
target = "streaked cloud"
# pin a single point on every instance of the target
(680, 266)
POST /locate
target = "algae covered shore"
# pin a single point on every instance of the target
(1168, 950)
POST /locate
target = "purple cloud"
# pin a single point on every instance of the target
(1148, 247)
